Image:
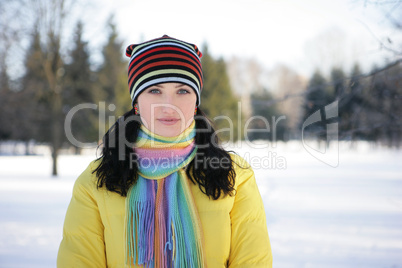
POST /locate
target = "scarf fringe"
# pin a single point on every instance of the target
(139, 232)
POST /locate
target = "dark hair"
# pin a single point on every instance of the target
(118, 170)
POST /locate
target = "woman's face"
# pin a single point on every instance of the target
(167, 109)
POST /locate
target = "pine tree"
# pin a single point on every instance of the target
(44, 74)
(378, 102)
(394, 112)
(382, 102)
(5, 93)
(352, 105)
(338, 93)
(217, 99)
(338, 80)
(34, 114)
(78, 89)
(264, 121)
(112, 75)
(316, 98)
(42, 93)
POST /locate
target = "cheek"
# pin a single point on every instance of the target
(144, 108)
(189, 107)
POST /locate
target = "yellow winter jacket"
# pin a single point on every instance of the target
(235, 229)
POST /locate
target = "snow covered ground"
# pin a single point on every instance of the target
(318, 215)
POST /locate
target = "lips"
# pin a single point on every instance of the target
(168, 121)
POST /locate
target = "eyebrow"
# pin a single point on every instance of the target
(179, 85)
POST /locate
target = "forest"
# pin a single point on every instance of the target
(54, 85)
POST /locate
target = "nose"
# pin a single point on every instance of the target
(168, 109)
(169, 105)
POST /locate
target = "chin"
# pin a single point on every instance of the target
(169, 132)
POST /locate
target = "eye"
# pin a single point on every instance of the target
(154, 90)
(183, 91)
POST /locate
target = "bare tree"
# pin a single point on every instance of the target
(49, 18)
(391, 11)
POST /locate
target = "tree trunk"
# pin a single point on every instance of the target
(57, 118)
(54, 159)
(27, 148)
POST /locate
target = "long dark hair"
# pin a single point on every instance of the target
(118, 168)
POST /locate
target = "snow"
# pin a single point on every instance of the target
(317, 215)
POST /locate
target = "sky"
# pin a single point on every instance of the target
(303, 35)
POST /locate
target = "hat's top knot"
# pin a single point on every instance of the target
(130, 48)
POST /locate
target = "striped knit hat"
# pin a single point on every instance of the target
(163, 60)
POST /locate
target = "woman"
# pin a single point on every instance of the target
(164, 193)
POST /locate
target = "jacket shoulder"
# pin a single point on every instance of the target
(242, 168)
(239, 160)
(88, 178)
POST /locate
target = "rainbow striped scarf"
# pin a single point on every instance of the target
(162, 224)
